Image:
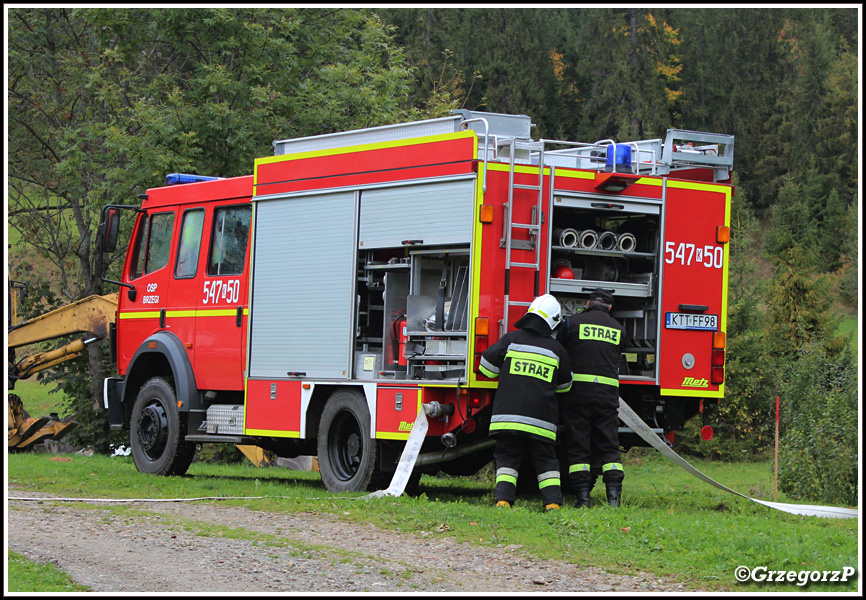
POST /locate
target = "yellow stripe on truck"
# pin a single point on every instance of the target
(138, 315)
(208, 312)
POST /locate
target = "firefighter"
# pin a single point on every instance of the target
(533, 371)
(594, 341)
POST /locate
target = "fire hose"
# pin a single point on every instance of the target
(607, 240)
(626, 242)
(631, 419)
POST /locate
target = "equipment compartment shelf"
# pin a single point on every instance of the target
(436, 334)
(582, 286)
(611, 253)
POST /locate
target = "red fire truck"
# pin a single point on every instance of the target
(318, 305)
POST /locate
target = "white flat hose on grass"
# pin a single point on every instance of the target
(630, 418)
(407, 459)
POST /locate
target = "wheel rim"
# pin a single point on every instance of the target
(153, 429)
(345, 446)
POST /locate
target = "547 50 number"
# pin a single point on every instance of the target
(217, 291)
(712, 257)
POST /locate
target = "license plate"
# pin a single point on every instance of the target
(691, 321)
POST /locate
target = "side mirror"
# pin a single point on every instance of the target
(106, 239)
(108, 231)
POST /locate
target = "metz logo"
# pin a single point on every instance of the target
(693, 382)
(404, 426)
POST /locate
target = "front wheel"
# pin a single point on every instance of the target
(157, 430)
(347, 453)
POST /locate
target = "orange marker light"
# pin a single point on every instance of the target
(482, 326)
(718, 339)
(485, 214)
(723, 234)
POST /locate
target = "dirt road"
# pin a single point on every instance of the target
(207, 546)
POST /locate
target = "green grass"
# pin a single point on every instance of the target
(671, 524)
(28, 576)
(849, 325)
(38, 399)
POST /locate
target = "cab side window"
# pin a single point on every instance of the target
(159, 242)
(231, 229)
(152, 244)
(140, 241)
(191, 227)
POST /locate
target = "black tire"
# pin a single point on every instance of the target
(157, 430)
(346, 452)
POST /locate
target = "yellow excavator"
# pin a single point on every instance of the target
(88, 317)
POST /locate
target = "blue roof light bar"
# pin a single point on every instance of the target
(176, 178)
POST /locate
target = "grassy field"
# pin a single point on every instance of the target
(671, 524)
(849, 325)
(27, 576)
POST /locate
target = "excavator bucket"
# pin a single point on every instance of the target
(256, 455)
(25, 431)
(54, 430)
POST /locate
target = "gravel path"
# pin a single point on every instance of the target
(182, 547)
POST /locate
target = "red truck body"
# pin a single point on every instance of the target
(318, 305)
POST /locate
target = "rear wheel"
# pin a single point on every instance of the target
(347, 453)
(157, 429)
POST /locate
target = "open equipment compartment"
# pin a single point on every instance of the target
(412, 314)
(613, 245)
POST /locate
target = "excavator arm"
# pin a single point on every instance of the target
(90, 317)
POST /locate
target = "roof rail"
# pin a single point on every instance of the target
(680, 150)
(717, 152)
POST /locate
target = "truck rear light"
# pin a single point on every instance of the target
(482, 326)
(706, 433)
(481, 344)
(723, 234)
(717, 376)
(719, 340)
(482, 341)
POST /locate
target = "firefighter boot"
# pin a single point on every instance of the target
(614, 493)
(582, 490)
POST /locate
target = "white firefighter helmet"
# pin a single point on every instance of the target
(547, 307)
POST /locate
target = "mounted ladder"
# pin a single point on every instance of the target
(534, 227)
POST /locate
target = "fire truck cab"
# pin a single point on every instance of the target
(319, 305)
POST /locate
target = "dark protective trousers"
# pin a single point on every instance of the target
(592, 427)
(508, 456)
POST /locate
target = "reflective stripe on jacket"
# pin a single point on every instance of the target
(533, 370)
